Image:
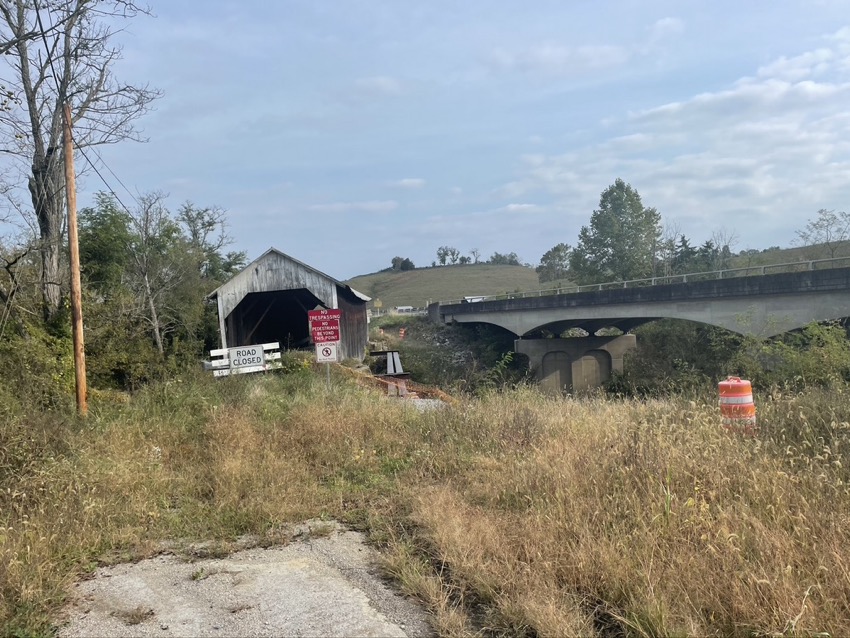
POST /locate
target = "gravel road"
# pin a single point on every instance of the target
(325, 586)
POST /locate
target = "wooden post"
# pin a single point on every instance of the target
(74, 245)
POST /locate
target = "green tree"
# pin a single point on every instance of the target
(105, 239)
(684, 255)
(555, 263)
(155, 268)
(707, 256)
(71, 61)
(402, 264)
(448, 254)
(622, 240)
(162, 269)
(206, 232)
(510, 259)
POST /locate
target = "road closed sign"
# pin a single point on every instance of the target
(246, 356)
(327, 353)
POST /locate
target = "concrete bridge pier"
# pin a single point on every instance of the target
(577, 363)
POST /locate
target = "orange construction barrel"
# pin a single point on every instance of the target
(736, 406)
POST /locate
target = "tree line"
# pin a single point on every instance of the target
(625, 240)
(147, 272)
(146, 269)
(451, 256)
(57, 52)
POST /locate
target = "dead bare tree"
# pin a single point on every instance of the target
(667, 247)
(70, 61)
(725, 239)
(156, 266)
(825, 235)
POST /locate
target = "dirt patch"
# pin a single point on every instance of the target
(325, 586)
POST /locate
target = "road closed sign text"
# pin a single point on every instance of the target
(246, 356)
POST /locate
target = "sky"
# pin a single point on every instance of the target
(347, 132)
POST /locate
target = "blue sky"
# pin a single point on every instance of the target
(345, 133)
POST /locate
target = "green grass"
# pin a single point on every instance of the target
(417, 287)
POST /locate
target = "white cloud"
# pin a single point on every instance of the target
(798, 67)
(411, 183)
(384, 206)
(761, 154)
(841, 38)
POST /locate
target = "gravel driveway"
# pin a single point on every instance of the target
(325, 586)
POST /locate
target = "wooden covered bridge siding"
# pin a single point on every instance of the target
(268, 301)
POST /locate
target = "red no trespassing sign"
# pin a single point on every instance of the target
(324, 325)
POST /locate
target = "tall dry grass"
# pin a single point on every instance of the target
(193, 459)
(647, 519)
(513, 513)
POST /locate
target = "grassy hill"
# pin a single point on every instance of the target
(416, 287)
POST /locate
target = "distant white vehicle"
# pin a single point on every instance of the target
(404, 308)
(473, 299)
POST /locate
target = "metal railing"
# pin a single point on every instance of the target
(726, 273)
(380, 312)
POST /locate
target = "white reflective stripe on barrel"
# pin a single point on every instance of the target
(737, 400)
(739, 420)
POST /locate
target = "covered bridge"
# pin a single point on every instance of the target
(268, 301)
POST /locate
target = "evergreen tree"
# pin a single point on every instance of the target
(684, 256)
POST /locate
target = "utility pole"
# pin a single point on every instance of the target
(74, 245)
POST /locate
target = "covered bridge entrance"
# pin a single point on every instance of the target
(268, 301)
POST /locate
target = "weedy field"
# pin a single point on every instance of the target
(508, 514)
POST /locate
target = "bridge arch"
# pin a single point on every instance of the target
(556, 374)
(574, 364)
(591, 370)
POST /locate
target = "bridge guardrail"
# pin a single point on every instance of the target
(726, 273)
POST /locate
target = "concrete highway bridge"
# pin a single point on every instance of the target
(763, 301)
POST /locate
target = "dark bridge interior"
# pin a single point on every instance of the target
(265, 317)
